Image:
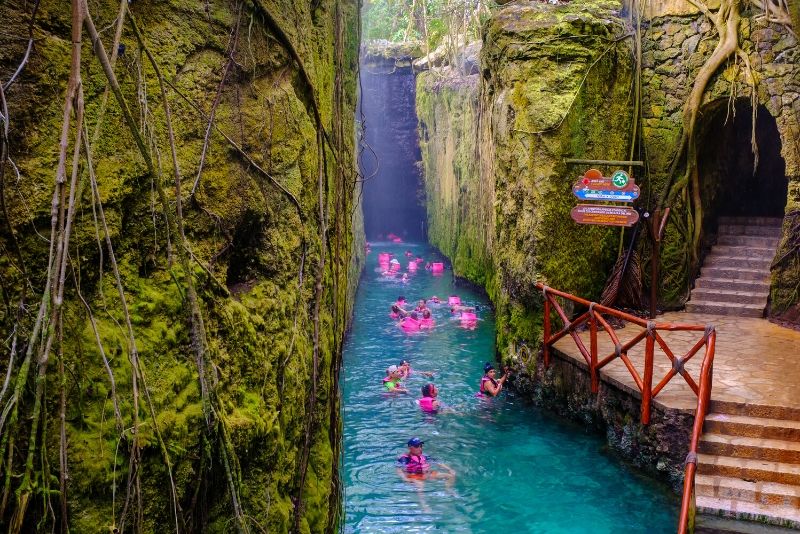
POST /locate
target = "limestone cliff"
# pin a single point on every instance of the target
(554, 83)
(215, 417)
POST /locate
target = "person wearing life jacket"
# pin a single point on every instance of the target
(427, 320)
(397, 312)
(491, 387)
(410, 323)
(404, 368)
(391, 382)
(428, 402)
(416, 466)
(422, 305)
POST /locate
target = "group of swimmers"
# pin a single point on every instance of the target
(390, 266)
(414, 465)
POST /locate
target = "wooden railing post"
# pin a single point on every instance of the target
(647, 378)
(593, 349)
(545, 345)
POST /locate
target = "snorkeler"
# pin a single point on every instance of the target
(491, 387)
(391, 381)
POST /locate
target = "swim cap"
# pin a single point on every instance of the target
(415, 442)
(488, 367)
(391, 369)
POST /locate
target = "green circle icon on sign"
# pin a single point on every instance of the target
(619, 179)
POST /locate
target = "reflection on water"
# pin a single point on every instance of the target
(517, 470)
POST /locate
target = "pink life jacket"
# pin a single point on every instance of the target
(483, 388)
(426, 323)
(414, 464)
(410, 324)
(426, 403)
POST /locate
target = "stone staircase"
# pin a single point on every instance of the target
(735, 275)
(748, 466)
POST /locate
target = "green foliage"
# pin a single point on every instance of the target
(418, 20)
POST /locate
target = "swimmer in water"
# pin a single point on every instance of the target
(426, 321)
(434, 299)
(397, 312)
(416, 467)
(428, 402)
(405, 370)
(422, 305)
(491, 387)
(391, 381)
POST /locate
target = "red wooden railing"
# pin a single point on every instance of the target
(593, 318)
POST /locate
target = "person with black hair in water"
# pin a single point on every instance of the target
(491, 386)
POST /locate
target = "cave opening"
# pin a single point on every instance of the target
(735, 184)
(389, 158)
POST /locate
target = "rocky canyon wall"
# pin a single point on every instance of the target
(215, 417)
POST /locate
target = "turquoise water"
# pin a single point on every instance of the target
(517, 469)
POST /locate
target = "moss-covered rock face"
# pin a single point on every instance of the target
(255, 259)
(460, 209)
(555, 83)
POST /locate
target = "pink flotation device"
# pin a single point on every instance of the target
(437, 267)
(426, 323)
(397, 240)
(412, 266)
(454, 300)
(395, 267)
(409, 325)
(384, 257)
(468, 317)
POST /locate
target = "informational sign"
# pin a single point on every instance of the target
(604, 215)
(594, 186)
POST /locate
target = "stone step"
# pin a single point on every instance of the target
(755, 410)
(707, 524)
(741, 251)
(748, 469)
(752, 427)
(745, 262)
(725, 308)
(751, 221)
(732, 285)
(771, 450)
(735, 273)
(784, 516)
(736, 297)
(748, 240)
(740, 229)
(769, 493)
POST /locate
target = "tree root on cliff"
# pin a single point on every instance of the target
(726, 22)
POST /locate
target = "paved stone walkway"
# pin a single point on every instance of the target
(756, 362)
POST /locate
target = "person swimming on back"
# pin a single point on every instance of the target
(491, 387)
(405, 370)
(391, 381)
(428, 402)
